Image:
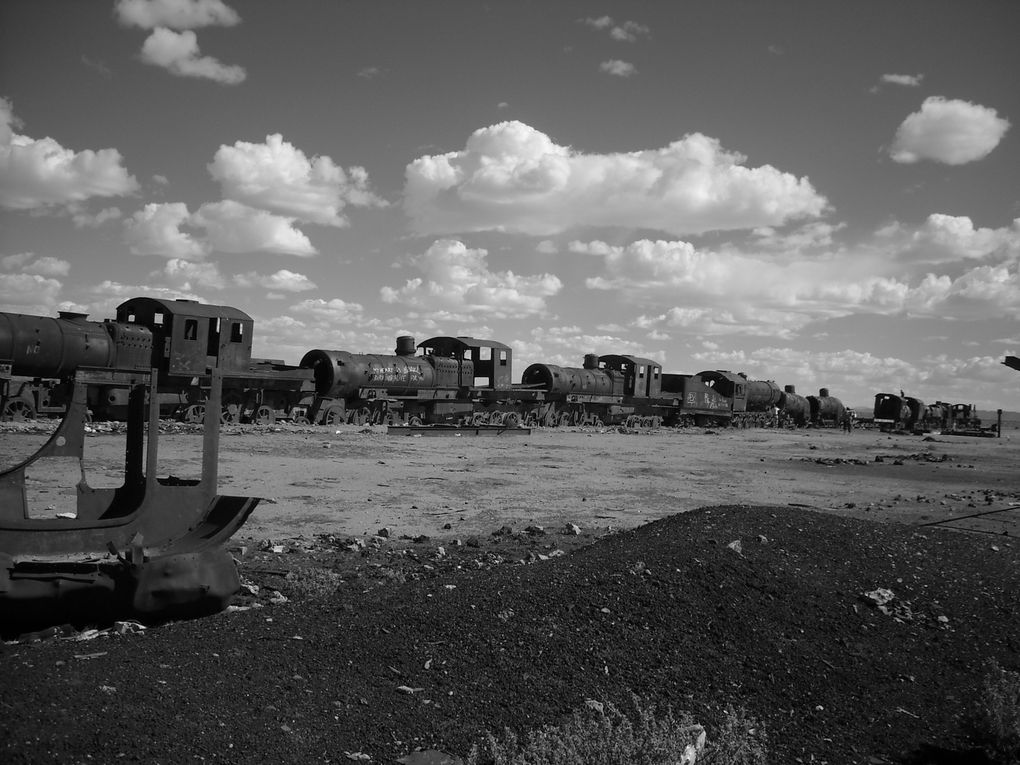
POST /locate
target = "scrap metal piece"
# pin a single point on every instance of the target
(151, 548)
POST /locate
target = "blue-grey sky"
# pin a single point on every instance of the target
(820, 193)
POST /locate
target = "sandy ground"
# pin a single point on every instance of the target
(354, 481)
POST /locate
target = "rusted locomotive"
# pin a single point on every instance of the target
(454, 380)
(898, 412)
(180, 339)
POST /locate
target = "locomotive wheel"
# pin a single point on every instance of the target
(334, 415)
(195, 414)
(479, 418)
(265, 415)
(512, 420)
(414, 421)
(550, 420)
(18, 410)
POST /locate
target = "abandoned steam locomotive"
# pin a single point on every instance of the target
(453, 380)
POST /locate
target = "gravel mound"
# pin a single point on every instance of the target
(850, 641)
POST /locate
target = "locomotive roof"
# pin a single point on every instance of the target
(184, 308)
(723, 374)
(446, 344)
(612, 358)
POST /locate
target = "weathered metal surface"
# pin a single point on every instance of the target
(450, 430)
(151, 548)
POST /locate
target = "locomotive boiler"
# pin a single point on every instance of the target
(826, 410)
(37, 352)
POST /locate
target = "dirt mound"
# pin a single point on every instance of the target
(778, 610)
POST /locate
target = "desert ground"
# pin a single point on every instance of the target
(356, 481)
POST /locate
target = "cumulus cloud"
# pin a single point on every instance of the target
(277, 176)
(225, 226)
(234, 227)
(282, 281)
(176, 14)
(178, 53)
(40, 173)
(457, 278)
(723, 292)
(953, 132)
(618, 68)
(511, 177)
(29, 293)
(156, 230)
(953, 238)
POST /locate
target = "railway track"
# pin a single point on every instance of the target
(1002, 521)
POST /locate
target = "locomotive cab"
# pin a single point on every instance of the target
(480, 363)
(642, 378)
(191, 338)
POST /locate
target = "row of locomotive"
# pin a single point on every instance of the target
(443, 380)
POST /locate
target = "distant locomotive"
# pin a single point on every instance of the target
(900, 412)
(906, 413)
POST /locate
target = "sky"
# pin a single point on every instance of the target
(824, 194)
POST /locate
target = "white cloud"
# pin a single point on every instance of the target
(48, 266)
(178, 53)
(629, 31)
(953, 132)
(511, 177)
(29, 293)
(277, 176)
(336, 311)
(282, 281)
(618, 68)
(457, 278)
(83, 219)
(948, 238)
(40, 173)
(18, 260)
(906, 80)
(723, 292)
(156, 230)
(234, 227)
(602, 22)
(176, 14)
(188, 275)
